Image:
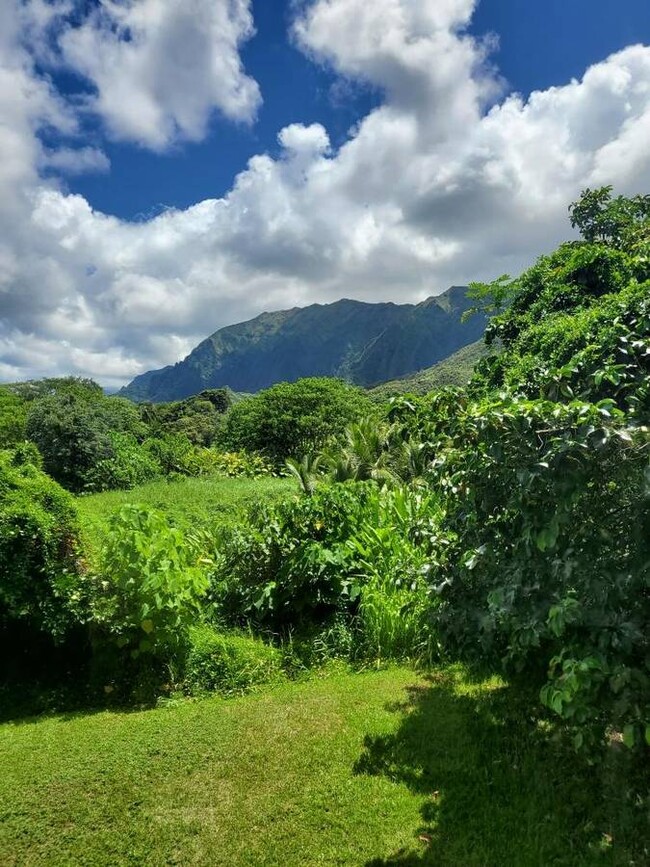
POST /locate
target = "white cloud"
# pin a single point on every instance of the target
(160, 67)
(439, 185)
(75, 161)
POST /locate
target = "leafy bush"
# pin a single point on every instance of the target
(228, 663)
(548, 528)
(290, 563)
(300, 562)
(242, 464)
(577, 324)
(40, 580)
(129, 465)
(198, 417)
(13, 418)
(74, 433)
(151, 583)
(176, 455)
(172, 452)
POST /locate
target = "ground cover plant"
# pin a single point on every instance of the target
(379, 768)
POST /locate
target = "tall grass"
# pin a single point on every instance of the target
(393, 621)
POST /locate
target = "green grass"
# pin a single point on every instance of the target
(189, 502)
(368, 769)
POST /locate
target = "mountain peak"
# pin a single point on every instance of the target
(358, 341)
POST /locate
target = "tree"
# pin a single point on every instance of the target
(13, 415)
(73, 433)
(577, 324)
(605, 220)
(293, 419)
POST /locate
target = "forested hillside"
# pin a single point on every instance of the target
(362, 343)
(457, 369)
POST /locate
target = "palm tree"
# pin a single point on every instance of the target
(364, 454)
(305, 472)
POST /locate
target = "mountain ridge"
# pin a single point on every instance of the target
(365, 343)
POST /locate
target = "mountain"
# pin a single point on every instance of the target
(454, 370)
(360, 342)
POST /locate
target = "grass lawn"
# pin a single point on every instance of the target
(190, 502)
(368, 769)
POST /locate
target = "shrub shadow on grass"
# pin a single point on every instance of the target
(41, 679)
(499, 788)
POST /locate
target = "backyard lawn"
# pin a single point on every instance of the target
(374, 768)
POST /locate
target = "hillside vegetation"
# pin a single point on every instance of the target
(359, 342)
(457, 369)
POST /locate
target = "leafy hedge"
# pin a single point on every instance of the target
(40, 569)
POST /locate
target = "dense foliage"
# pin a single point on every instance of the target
(198, 418)
(91, 442)
(542, 469)
(75, 434)
(576, 324)
(13, 417)
(151, 583)
(39, 559)
(350, 549)
(547, 519)
(290, 419)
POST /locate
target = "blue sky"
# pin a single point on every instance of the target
(168, 167)
(540, 44)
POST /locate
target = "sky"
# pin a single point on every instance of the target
(168, 167)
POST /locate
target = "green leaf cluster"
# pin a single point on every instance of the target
(150, 585)
(292, 419)
(40, 565)
(351, 549)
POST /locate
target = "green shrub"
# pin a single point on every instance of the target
(172, 452)
(13, 418)
(242, 464)
(151, 583)
(40, 575)
(300, 562)
(129, 465)
(289, 565)
(547, 517)
(74, 432)
(198, 417)
(228, 663)
(176, 455)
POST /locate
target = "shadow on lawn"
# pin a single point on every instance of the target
(41, 679)
(499, 790)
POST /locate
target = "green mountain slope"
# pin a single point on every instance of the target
(363, 343)
(454, 370)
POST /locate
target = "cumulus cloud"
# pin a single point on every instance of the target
(444, 182)
(159, 67)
